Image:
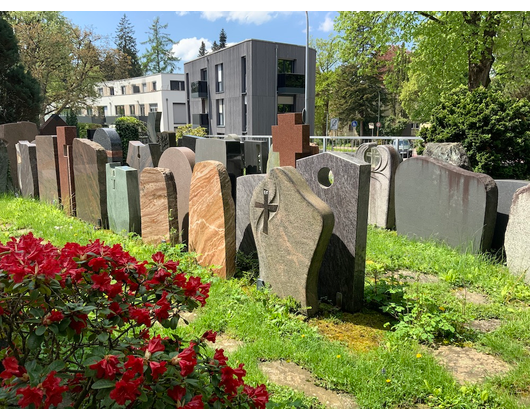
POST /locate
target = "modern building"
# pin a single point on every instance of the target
(240, 89)
(137, 97)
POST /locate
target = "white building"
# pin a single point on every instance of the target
(137, 97)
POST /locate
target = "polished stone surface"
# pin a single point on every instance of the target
(517, 238)
(111, 142)
(28, 177)
(246, 185)
(212, 232)
(48, 168)
(123, 198)
(153, 125)
(255, 156)
(141, 156)
(166, 139)
(65, 140)
(4, 165)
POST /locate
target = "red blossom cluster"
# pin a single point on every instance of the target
(78, 321)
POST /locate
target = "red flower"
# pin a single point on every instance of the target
(196, 403)
(54, 392)
(230, 383)
(155, 344)
(75, 383)
(177, 393)
(78, 322)
(12, 368)
(157, 369)
(180, 280)
(107, 367)
(141, 316)
(98, 264)
(204, 290)
(186, 360)
(101, 282)
(126, 391)
(158, 257)
(30, 395)
(135, 365)
(259, 395)
(220, 357)
(210, 336)
(164, 306)
(53, 316)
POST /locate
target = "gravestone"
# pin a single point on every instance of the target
(342, 182)
(506, 191)
(90, 132)
(188, 141)
(90, 159)
(158, 206)
(28, 178)
(123, 198)
(65, 140)
(166, 139)
(153, 125)
(11, 134)
(290, 138)
(362, 149)
(140, 156)
(111, 142)
(384, 161)
(48, 168)
(437, 200)
(517, 238)
(180, 161)
(453, 153)
(49, 128)
(255, 156)
(212, 231)
(4, 165)
(226, 151)
(246, 185)
(292, 228)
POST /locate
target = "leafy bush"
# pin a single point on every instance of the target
(493, 129)
(75, 323)
(190, 131)
(83, 127)
(129, 129)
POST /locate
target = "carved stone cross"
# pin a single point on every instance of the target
(266, 209)
(372, 156)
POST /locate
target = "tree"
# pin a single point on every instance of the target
(215, 46)
(222, 39)
(61, 56)
(159, 57)
(115, 64)
(126, 44)
(202, 50)
(449, 48)
(19, 92)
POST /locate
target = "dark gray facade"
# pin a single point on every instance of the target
(237, 90)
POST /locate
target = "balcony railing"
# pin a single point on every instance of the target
(291, 83)
(199, 89)
(200, 119)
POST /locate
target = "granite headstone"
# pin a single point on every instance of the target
(140, 155)
(517, 239)
(246, 185)
(48, 168)
(255, 156)
(49, 128)
(166, 139)
(123, 198)
(188, 141)
(4, 166)
(111, 142)
(28, 177)
(453, 153)
(65, 140)
(153, 125)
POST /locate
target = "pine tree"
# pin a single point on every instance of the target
(126, 44)
(202, 50)
(159, 56)
(215, 47)
(222, 39)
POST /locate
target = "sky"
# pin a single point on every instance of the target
(189, 28)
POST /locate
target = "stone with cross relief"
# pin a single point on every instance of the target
(292, 228)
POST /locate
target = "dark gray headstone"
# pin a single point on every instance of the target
(255, 156)
(246, 185)
(4, 166)
(517, 238)
(506, 191)
(452, 153)
(166, 139)
(153, 125)
(437, 200)
(111, 142)
(123, 198)
(90, 133)
(48, 169)
(28, 178)
(140, 156)
(292, 228)
(90, 160)
(188, 141)
(342, 182)
(49, 128)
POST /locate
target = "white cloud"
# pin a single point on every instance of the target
(188, 49)
(181, 13)
(327, 25)
(248, 17)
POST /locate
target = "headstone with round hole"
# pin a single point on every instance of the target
(343, 182)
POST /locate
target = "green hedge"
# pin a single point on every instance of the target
(129, 128)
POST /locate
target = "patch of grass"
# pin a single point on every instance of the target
(353, 353)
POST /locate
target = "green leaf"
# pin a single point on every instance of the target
(103, 383)
(41, 329)
(103, 337)
(54, 328)
(34, 341)
(57, 365)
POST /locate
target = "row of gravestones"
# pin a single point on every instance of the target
(308, 224)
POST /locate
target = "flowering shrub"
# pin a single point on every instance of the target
(75, 331)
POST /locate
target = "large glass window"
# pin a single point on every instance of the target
(153, 107)
(100, 91)
(220, 112)
(132, 110)
(219, 78)
(243, 74)
(176, 85)
(111, 91)
(144, 87)
(285, 104)
(154, 86)
(142, 110)
(120, 110)
(123, 90)
(204, 75)
(285, 66)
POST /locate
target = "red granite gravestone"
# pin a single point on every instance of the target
(27, 169)
(49, 128)
(290, 138)
(48, 168)
(65, 139)
(11, 134)
(90, 179)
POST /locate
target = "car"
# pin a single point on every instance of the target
(403, 147)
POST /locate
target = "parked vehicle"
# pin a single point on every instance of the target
(403, 147)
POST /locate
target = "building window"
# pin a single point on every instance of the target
(120, 110)
(220, 112)
(89, 111)
(142, 110)
(132, 110)
(136, 89)
(100, 91)
(111, 91)
(245, 112)
(243, 74)
(154, 86)
(204, 75)
(123, 90)
(153, 107)
(219, 78)
(144, 87)
(176, 85)
(285, 104)
(285, 66)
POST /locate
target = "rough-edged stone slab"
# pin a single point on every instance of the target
(246, 185)
(437, 200)
(123, 198)
(65, 140)
(89, 160)
(111, 142)
(255, 156)
(212, 232)
(166, 139)
(11, 134)
(506, 191)
(28, 177)
(452, 153)
(517, 238)
(4, 165)
(158, 206)
(180, 160)
(292, 228)
(49, 128)
(48, 168)
(140, 155)
(342, 182)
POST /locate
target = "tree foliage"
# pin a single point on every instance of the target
(202, 50)
(222, 39)
(493, 129)
(159, 57)
(126, 45)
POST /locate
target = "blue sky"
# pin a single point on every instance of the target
(189, 28)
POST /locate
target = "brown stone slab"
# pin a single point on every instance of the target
(49, 128)
(48, 168)
(27, 169)
(65, 140)
(212, 232)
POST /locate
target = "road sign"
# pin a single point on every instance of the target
(378, 124)
(371, 126)
(354, 123)
(334, 124)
